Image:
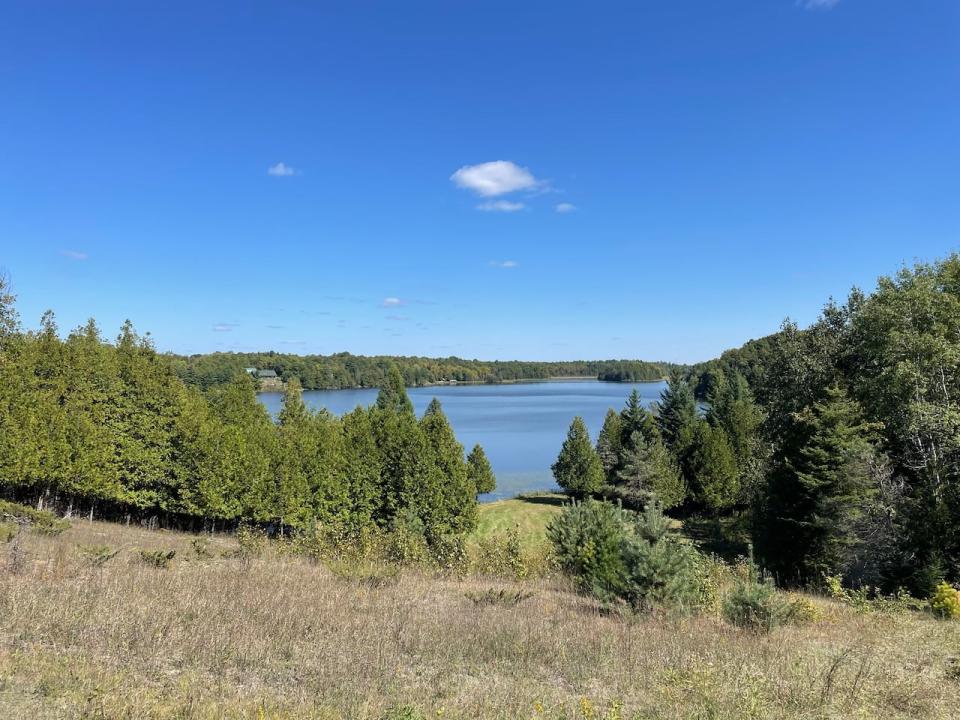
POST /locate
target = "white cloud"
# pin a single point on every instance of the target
(281, 170)
(224, 327)
(818, 4)
(565, 207)
(74, 254)
(501, 206)
(499, 177)
(504, 263)
(392, 302)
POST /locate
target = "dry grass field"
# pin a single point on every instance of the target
(278, 636)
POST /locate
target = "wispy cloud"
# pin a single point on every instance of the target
(392, 302)
(282, 170)
(276, 327)
(818, 4)
(397, 318)
(499, 177)
(508, 264)
(74, 254)
(565, 207)
(224, 327)
(501, 206)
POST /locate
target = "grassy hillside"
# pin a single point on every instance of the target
(278, 636)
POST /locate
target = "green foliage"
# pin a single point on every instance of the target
(945, 601)
(615, 554)
(97, 555)
(40, 521)
(8, 531)
(480, 472)
(756, 606)
(712, 468)
(502, 555)
(501, 597)
(821, 490)
(578, 469)
(867, 599)
(158, 558)
(109, 428)
(343, 370)
(201, 548)
(403, 712)
(648, 473)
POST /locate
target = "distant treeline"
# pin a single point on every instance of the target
(343, 370)
(109, 429)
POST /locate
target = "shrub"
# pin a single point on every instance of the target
(502, 555)
(369, 574)
(945, 601)
(40, 521)
(803, 611)
(201, 548)
(755, 606)
(450, 554)
(493, 596)
(252, 541)
(97, 555)
(403, 712)
(158, 558)
(615, 554)
(8, 531)
(867, 599)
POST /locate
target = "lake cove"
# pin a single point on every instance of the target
(521, 426)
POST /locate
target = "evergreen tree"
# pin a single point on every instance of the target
(649, 473)
(393, 395)
(821, 490)
(578, 469)
(448, 502)
(609, 445)
(677, 417)
(712, 468)
(481, 474)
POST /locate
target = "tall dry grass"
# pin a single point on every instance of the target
(279, 636)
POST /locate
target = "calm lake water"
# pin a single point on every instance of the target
(521, 426)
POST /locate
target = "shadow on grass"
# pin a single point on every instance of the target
(554, 500)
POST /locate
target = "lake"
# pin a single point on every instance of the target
(520, 426)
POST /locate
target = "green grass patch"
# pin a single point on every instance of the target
(528, 514)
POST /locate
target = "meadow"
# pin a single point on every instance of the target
(91, 627)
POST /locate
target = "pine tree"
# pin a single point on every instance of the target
(481, 473)
(649, 473)
(578, 469)
(819, 493)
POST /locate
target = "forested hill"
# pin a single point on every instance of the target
(343, 370)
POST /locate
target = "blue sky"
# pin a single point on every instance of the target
(538, 180)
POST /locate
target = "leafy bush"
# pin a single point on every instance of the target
(755, 606)
(449, 552)
(493, 596)
(615, 554)
(252, 541)
(867, 599)
(803, 611)
(502, 555)
(945, 601)
(40, 521)
(158, 558)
